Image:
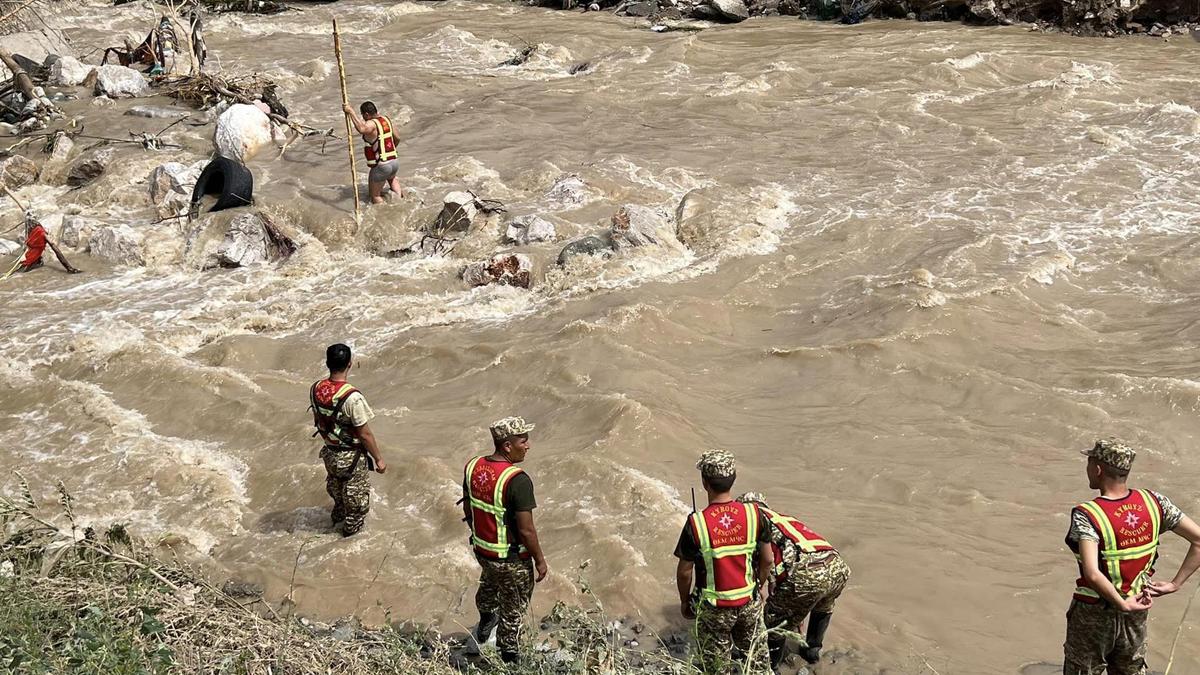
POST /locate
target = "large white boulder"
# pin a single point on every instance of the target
(242, 131)
(731, 10)
(459, 210)
(117, 243)
(9, 247)
(119, 81)
(68, 71)
(251, 240)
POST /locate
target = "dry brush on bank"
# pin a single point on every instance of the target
(74, 599)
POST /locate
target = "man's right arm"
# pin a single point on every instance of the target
(1187, 529)
(529, 538)
(368, 439)
(360, 125)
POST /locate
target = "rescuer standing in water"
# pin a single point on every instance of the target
(380, 149)
(341, 413)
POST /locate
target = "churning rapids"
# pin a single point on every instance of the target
(927, 422)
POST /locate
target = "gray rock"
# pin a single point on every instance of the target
(10, 247)
(526, 229)
(18, 171)
(171, 187)
(459, 211)
(640, 8)
(568, 190)
(731, 10)
(60, 148)
(69, 72)
(634, 225)
(117, 243)
(119, 81)
(590, 245)
(242, 589)
(90, 168)
(157, 113)
(246, 242)
(505, 269)
(76, 231)
(694, 220)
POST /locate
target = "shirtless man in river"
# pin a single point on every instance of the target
(379, 134)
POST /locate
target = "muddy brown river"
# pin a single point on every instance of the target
(927, 422)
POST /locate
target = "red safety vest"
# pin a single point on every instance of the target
(727, 534)
(383, 148)
(1129, 530)
(327, 398)
(798, 533)
(487, 480)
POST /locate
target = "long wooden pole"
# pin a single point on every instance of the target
(337, 51)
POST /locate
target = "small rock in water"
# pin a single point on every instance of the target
(9, 247)
(459, 210)
(930, 298)
(61, 146)
(568, 190)
(590, 245)
(18, 171)
(525, 229)
(67, 71)
(90, 168)
(250, 240)
(117, 243)
(634, 225)
(102, 101)
(923, 277)
(171, 187)
(505, 269)
(157, 113)
(1045, 269)
(119, 81)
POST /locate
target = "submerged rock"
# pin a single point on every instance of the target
(119, 81)
(117, 243)
(90, 168)
(568, 190)
(505, 269)
(157, 113)
(590, 245)
(18, 171)
(242, 131)
(526, 229)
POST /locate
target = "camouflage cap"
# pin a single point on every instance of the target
(716, 464)
(754, 497)
(1113, 452)
(509, 427)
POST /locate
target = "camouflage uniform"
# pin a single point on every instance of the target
(505, 588)
(812, 585)
(351, 491)
(727, 635)
(1102, 639)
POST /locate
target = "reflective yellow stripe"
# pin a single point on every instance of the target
(1111, 556)
(785, 523)
(1108, 540)
(381, 152)
(496, 509)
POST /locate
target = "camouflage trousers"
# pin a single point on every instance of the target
(732, 639)
(505, 588)
(351, 491)
(1102, 639)
(811, 586)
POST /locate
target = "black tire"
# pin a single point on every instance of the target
(231, 181)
